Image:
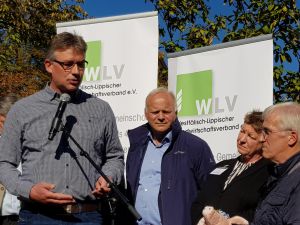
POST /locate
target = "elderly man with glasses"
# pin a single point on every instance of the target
(281, 144)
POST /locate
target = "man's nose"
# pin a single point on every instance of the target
(75, 69)
(161, 115)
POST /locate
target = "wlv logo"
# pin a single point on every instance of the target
(192, 87)
(95, 71)
(93, 56)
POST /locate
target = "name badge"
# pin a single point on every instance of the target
(218, 170)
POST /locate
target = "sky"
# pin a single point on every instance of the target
(106, 8)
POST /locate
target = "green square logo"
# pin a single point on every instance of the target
(194, 93)
(93, 56)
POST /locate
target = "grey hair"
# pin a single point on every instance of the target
(161, 90)
(66, 40)
(6, 102)
(288, 114)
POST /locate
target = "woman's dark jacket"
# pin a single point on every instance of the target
(241, 195)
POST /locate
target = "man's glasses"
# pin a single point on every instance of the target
(267, 131)
(67, 66)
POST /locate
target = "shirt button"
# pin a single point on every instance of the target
(146, 189)
(67, 165)
(67, 187)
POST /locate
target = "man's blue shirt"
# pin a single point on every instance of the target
(149, 182)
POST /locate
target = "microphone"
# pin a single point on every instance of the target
(56, 122)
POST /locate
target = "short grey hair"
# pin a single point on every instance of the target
(161, 90)
(6, 102)
(288, 114)
(66, 40)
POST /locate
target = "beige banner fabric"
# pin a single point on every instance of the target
(216, 86)
(122, 65)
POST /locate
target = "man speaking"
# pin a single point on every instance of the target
(57, 184)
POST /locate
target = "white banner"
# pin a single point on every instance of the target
(122, 63)
(216, 86)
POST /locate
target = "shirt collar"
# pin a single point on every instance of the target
(281, 169)
(166, 139)
(52, 95)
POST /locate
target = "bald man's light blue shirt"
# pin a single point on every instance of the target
(149, 181)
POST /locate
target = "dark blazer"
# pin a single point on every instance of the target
(241, 195)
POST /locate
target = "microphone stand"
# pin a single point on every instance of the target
(113, 187)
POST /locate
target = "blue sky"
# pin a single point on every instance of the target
(104, 8)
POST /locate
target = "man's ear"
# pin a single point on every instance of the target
(48, 65)
(293, 138)
(145, 113)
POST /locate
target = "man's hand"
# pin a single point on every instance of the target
(42, 193)
(102, 188)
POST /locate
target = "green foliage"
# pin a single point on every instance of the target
(192, 23)
(26, 28)
(187, 24)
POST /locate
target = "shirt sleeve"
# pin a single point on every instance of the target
(114, 158)
(10, 156)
